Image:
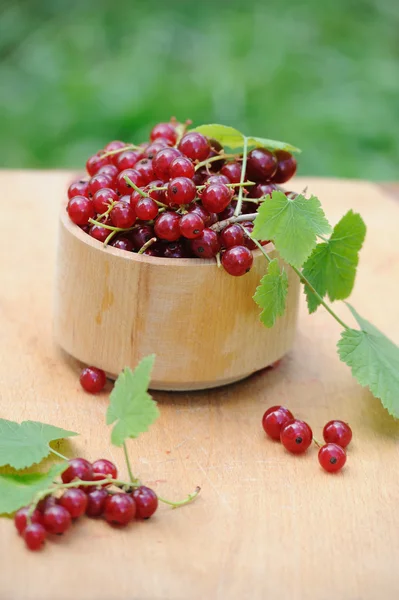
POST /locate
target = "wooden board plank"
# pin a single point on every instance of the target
(267, 524)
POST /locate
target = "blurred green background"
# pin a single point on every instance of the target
(321, 74)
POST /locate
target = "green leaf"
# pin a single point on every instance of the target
(24, 444)
(331, 268)
(271, 294)
(374, 361)
(131, 406)
(19, 490)
(228, 136)
(292, 224)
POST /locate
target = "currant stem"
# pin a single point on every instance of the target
(58, 454)
(219, 264)
(204, 163)
(147, 245)
(317, 443)
(243, 169)
(222, 224)
(189, 499)
(109, 237)
(110, 227)
(134, 186)
(129, 468)
(265, 254)
(119, 150)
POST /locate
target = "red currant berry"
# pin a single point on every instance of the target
(181, 167)
(167, 226)
(146, 209)
(286, 167)
(111, 171)
(174, 250)
(232, 235)
(103, 198)
(103, 467)
(274, 420)
(95, 163)
(34, 536)
(93, 380)
(146, 502)
(191, 226)
(46, 502)
(145, 170)
(123, 243)
(260, 190)
(99, 233)
(332, 457)
(125, 188)
(98, 182)
(127, 159)
(248, 241)
(155, 147)
(162, 162)
(206, 245)
(56, 519)
(75, 502)
(261, 165)
(228, 211)
(79, 468)
(114, 145)
(164, 130)
(80, 210)
(96, 502)
(153, 191)
(123, 215)
(217, 179)
(200, 176)
(296, 436)
(237, 260)
(337, 432)
(216, 197)
(78, 188)
(120, 509)
(141, 235)
(232, 171)
(181, 190)
(208, 218)
(216, 149)
(20, 519)
(195, 146)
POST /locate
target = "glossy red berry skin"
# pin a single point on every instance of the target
(261, 165)
(332, 457)
(261, 189)
(78, 188)
(174, 250)
(237, 260)
(109, 170)
(123, 215)
(191, 226)
(216, 149)
(103, 467)
(20, 520)
(120, 509)
(156, 146)
(141, 234)
(209, 218)
(46, 502)
(99, 233)
(181, 190)
(232, 171)
(56, 519)
(146, 502)
(96, 502)
(146, 209)
(122, 186)
(122, 243)
(181, 167)
(206, 245)
(164, 130)
(79, 468)
(217, 179)
(162, 161)
(114, 145)
(34, 536)
(274, 420)
(296, 436)
(98, 182)
(145, 170)
(75, 502)
(80, 210)
(216, 197)
(127, 159)
(337, 432)
(232, 235)
(93, 380)
(103, 198)
(286, 167)
(154, 192)
(167, 227)
(195, 146)
(95, 162)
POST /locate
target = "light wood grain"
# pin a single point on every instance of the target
(267, 524)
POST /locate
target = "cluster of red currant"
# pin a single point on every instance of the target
(54, 514)
(296, 436)
(169, 197)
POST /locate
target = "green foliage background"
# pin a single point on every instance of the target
(323, 75)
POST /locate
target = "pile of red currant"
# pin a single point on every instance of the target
(177, 196)
(296, 436)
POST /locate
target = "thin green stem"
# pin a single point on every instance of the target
(204, 163)
(189, 499)
(261, 248)
(317, 443)
(219, 264)
(243, 169)
(57, 453)
(134, 186)
(129, 468)
(110, 227)
(147, 245)
(109, 237)
(119, 150)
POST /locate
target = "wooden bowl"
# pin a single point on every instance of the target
(115, 307)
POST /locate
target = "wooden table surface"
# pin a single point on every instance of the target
(267, 524)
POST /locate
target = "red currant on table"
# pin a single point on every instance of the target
(337, 432)
(75, 501)
(98, 182)
(146, 209)
(125, 188)
(79, 468)
(232, 171)
(146, 502)
(195, 146)
(20, 518)
(232, 235)
(332, 457)
(120, 509)
(274, 420)
(237, 260)
(103, 198)
(56, 519)
(296, 436)
(95, 162)
(122, 215)
(96, 502)
(164, 130)
(103, 467)
(127, 159)
(78, 188)
(181, 190)
(80, 210)
(34, 536)
(286, 167)
(162, 162)
(93, 380)
(216, 197)
(167, 226)
(191, 226)
(181, 167)
(261, 165)
(206, 245)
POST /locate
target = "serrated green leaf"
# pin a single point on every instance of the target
(131, 406)
(271, 294)
(292, 224)
(374, 360)
(228, 136)
(24, 444)
(331, 268)
(19, 490)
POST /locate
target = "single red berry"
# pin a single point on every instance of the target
(123, 215)
(122, 243)
(216, 149)
(286, 167)
(274, 420)
(93, 380)
(125, 188)
(337, 432)
(261, 165)
(200, 176)
(232, 235)
(296, 436)
(114, 145)
(95, 163)
(248, 241)
(146, 209)
(99, 233)
(120, 509)
(237, 260)
(145, 170)
(78, 188)
(103, 467)
(56, 519)
(195, 146)
(80, 210)
(111, 171)
(20, 518)
(217, 179)
(156, 194)
(103, 198)
(332, 457)
(96, 502)
(232, 171)
(181, 167)
(162, 162)
(216, 197)
(141, 235)
(164, 130)
(191, 226)
(79, 468)
(127, 159)
(181, 190)
(228, 211)
(174, 250)
(206, 245)
(260, 190)
(146, 502)
(155, 147)
(34, 536)
(98, 182)
(46, 502)
(75, 501)
(167, 226)
(209, 218)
